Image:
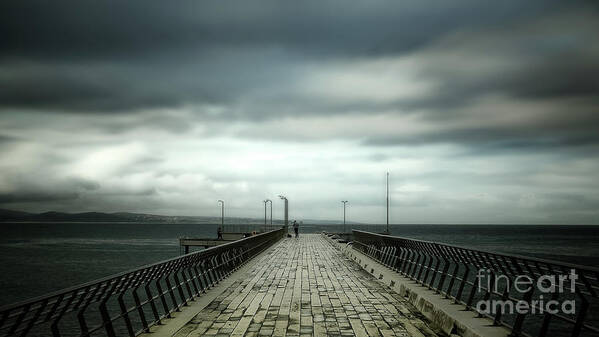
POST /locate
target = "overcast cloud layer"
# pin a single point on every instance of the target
(483, 112)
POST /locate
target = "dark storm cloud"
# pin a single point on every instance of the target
(7, 139)
(124, 29)
(496, 139)
(566, 70)
(26, 197)
(84, 56)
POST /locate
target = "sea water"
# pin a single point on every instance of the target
(37, 258)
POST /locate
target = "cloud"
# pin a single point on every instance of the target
(85, 56)
(481, 111)
(10, 198)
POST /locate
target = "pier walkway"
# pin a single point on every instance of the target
(306, 287)
(271, 285)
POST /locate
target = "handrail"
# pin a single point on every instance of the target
(131, 302)
(476, 278)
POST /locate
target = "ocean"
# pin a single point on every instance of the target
(37, 258)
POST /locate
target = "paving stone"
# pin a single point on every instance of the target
(306, 287)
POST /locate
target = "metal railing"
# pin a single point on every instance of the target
(129, 303)
(470, 276)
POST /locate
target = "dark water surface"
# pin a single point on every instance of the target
(36, 258)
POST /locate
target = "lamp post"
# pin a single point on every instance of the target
(344, 202)
(388, 203)
(265, 202)
(270, 213)
(222, 214)
(286, 210)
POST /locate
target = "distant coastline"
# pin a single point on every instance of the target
(124, 217)
(12, 216)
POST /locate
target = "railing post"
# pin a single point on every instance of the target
(152, 303)
(582, 311)
(171, 293)
(140, 311)
(125, 315)
(462, 283)
(519, 321)
(162, 294)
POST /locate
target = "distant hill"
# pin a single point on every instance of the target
(11, 216)
(8, 215)
(19, 216)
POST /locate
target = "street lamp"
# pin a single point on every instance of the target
(344, 202)
(222, 213)
(388, 233)
(270, 213)
(286, 210)
(266, 201)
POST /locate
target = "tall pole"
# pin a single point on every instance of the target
(388, 203)
(286, 210)
(270, 213)
(265, 223)
(265, 201)
(222, 214)
(344, 202)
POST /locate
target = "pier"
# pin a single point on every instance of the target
(363, 284)
(306, 286)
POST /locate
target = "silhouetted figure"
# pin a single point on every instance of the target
(219, 232)
(296, 228)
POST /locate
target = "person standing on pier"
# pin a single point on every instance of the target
(219, 233)
(296, 228)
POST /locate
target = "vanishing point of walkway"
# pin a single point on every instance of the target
(307, 287)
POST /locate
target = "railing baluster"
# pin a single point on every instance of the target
(205, 268)
(152, 304)
(37, 314)
(188, 276)
(17, 322)
(106, 320)
(162, 294)
(462, 284)
(180, 289)
(519, 321)
(169, 288)
(547, 319)
(203, 284)
(125, 315)
(582, 311)
(452, 280)
(140, 310)
(54, 325)
(82, 324)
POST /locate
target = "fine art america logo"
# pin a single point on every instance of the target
(545, 284)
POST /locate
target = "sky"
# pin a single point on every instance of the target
(482, 112)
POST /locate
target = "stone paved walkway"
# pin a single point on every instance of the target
(306, 287)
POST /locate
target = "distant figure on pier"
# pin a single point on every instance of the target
(296, 228)
(219, 233)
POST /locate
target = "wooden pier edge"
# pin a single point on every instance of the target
(170, 326)
(451, 318)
